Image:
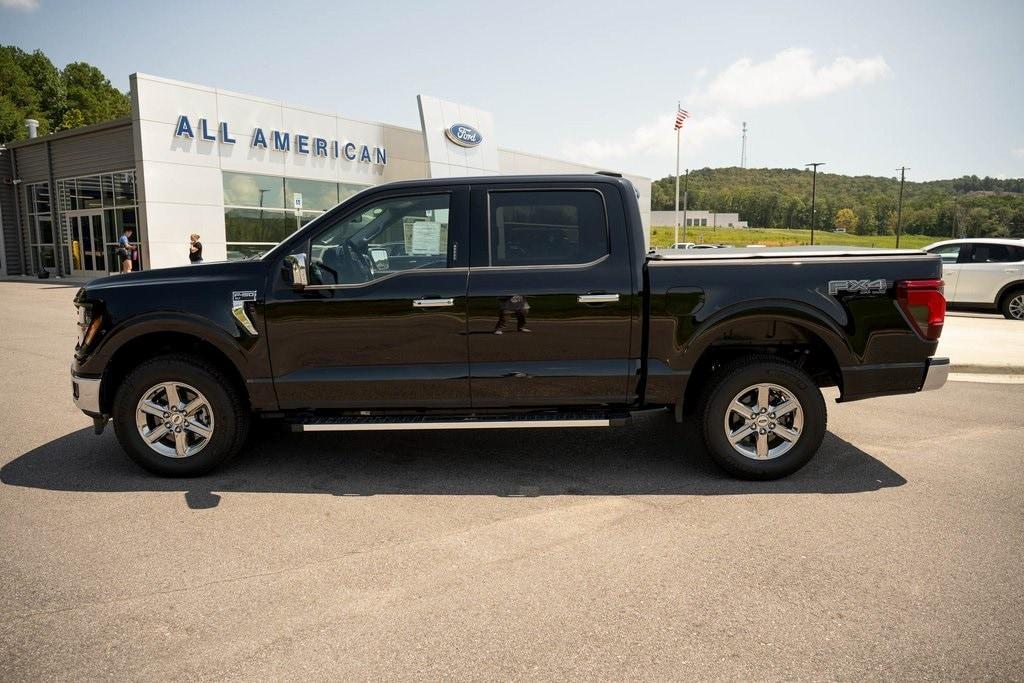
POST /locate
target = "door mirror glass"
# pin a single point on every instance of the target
(380, 259)
(295, 270)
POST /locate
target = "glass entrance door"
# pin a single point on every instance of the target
(88, 252)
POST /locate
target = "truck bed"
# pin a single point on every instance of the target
(779, 253)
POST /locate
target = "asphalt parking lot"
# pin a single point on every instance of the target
(529, 554)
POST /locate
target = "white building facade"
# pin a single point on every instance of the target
(697, 219)
(241, 171)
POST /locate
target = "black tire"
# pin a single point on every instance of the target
(1012, 305)
(746, 372)
(230, 414)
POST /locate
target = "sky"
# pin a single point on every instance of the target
(865, 87)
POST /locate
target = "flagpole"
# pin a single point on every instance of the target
(675, 241)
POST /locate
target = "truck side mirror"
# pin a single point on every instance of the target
(295, 266)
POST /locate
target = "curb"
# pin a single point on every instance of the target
(979, 369)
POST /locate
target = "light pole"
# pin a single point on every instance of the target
(686, 181)
(814, 183)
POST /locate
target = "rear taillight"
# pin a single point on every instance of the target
(924, 305)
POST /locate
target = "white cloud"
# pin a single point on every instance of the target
(652, 142)
(23, 5)
(714, 106)
(1018, 152)
(790, 75)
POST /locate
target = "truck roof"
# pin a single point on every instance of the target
(511, 179)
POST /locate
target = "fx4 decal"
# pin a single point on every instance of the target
(857, 286)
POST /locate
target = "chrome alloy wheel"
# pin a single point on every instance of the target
(1016, 306)
(174, 419)
(764, 421)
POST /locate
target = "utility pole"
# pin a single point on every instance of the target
(814, 183)
(956, 219)
(899, 205)
(686, 181)
(743, 150)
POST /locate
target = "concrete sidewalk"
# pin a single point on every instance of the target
(983, 344)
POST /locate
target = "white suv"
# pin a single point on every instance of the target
(984, 272)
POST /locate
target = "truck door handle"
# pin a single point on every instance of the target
(597, 298)
(432, 303)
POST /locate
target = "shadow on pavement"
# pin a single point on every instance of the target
(653, 457)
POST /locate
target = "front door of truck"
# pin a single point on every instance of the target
(382, 321)
(551, 299)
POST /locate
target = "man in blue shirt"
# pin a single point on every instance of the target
(125, 249)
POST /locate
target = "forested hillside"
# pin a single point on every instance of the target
(781, 198)
(31, 87)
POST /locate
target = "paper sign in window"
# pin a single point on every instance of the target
(426, 239)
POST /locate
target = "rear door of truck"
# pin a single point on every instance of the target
(552, 298)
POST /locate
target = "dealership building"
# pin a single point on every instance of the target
(241, 171)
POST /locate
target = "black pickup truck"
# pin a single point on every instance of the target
(502, 302)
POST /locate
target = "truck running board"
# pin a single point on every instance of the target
(410, 422)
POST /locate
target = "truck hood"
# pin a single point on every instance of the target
(215, 272)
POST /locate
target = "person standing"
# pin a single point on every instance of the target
(195, 249)
(125, 249)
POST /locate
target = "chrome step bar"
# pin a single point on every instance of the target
(405, 423)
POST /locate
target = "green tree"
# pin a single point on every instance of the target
(90, 96)
(847, 220)
(32, 87)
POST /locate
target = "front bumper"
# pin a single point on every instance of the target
(85, 391)
(935, 374)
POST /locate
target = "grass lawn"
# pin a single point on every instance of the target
(740, 237)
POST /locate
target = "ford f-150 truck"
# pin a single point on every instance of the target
(502, 302)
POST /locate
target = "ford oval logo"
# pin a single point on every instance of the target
(463, 135)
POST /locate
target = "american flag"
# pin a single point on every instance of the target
(681, 116)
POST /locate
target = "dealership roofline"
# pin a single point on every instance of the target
(81, 130)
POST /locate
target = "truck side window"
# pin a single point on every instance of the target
(540, 228)
(388, 236)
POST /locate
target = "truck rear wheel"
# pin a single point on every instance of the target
(179, 416)
(763, 418)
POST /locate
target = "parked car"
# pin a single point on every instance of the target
(683, 245)
(513, 302)
(983, 273)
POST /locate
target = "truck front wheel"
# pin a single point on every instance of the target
(179, 416)
(763, 418)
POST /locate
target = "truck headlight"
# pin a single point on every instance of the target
(88, 324)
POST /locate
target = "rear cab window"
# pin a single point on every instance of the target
(546, 227)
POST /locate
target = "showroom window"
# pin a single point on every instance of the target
(94, 212)
(260, 211)
(40, 227)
